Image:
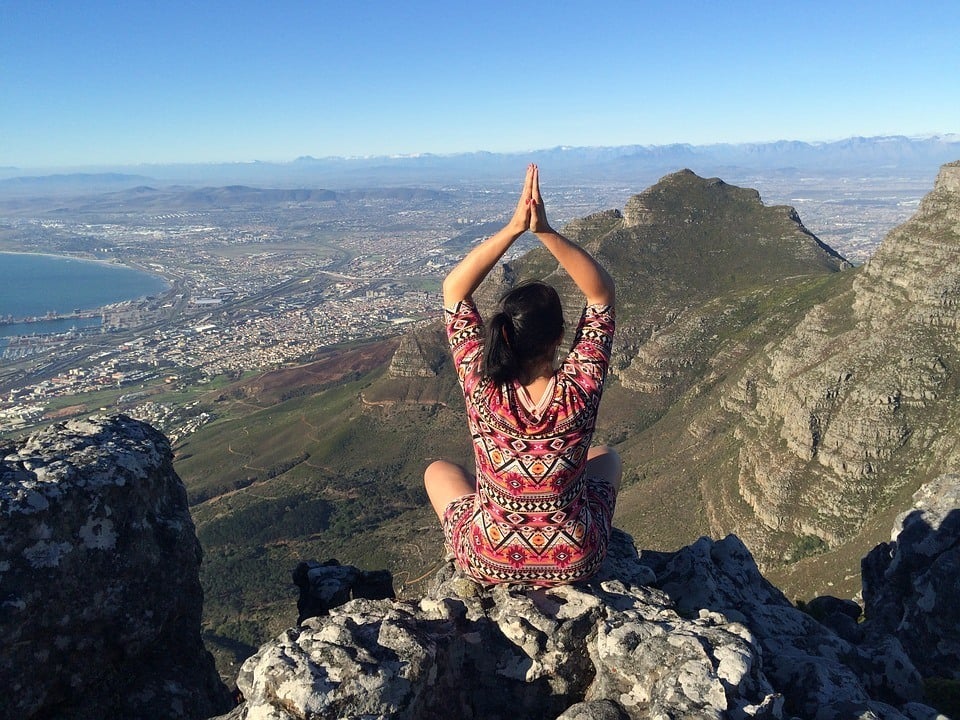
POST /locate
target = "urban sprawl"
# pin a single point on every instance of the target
(252, 289)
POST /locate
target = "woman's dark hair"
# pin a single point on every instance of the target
(523, 331)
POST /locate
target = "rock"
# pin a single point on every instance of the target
(818, 672)
(838, 614)
(911, 584)
(694, 634)
(827, 605)
(419, 355)
(100, 603)
(598, 710)
(329, 584)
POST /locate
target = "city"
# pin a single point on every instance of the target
(257, 286)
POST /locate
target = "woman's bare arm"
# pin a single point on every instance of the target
(470, 272)
(592, 279)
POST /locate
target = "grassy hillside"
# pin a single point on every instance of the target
(319, 475)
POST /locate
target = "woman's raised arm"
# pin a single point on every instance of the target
(592, 279)
(470, 272)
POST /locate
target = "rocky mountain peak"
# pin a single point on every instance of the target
(682, 191)
(915, 274)
(413, 359)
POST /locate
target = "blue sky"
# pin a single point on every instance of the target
(95, 82)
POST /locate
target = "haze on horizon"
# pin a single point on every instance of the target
(109, 84)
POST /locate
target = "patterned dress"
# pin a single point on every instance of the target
(535, 518)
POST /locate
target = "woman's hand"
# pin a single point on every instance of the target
(520, 222)
(538, 215)
(470, 272)
(594, 282)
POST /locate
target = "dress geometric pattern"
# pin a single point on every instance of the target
(535, 518)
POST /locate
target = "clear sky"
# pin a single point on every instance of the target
(102, 82)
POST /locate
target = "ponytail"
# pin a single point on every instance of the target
(524, 331)
(500, 361)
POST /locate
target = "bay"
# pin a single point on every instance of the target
(33, 285)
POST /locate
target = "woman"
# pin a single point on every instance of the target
(539, 511)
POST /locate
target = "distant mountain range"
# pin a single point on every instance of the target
(178, 198)
(570, 164)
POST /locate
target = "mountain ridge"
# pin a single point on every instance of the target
(845, 414)
(574, 164)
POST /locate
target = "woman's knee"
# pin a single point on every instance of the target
(604, 462)
(442, 471)
(446, 481)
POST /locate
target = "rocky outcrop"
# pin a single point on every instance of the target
(911, 584)
(417, 357)
(694, 634)
(860, 399)
(329, 584)
(100, 600)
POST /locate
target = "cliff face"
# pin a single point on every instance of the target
(911, 584)
(100, 600)
(859, 401)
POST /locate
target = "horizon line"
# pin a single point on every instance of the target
(950, 137)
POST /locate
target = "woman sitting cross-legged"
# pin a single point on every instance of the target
(540, 508)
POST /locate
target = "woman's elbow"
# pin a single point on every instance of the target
(452, 291)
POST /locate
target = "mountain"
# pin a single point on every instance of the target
(842, 418)
(759, 386)
(707, 275)
(68, 183)
(145, 198)
(573, 165)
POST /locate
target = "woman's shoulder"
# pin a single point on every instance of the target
(599, 310)
(467, 305)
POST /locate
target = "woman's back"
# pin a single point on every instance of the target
(534, 519)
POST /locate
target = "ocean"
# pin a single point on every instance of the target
(33, 285)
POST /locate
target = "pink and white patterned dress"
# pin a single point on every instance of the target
(535, 518)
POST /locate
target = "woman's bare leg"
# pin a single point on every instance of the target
(604, 462)
(445, 482)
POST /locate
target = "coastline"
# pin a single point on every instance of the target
(65, 309)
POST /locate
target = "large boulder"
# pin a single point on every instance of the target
(100, 598)
(694, 634)
(911, 584)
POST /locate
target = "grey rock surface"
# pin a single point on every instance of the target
(417, 356)
(329, 584)
(694, 634)
(911, 585)
(100, 598)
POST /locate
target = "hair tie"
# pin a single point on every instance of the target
(503, 334)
